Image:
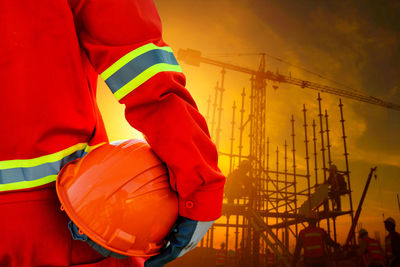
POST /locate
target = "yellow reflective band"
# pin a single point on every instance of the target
(312, 234)
(128, 57)
(56, 159)
(313, 247)
(26, 163)
(90, 148)
(143, 77)
(28, 184)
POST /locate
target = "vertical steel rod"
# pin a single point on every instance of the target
(268, 178)
(328, 145)
(294, 171)
(347, 162)
(214, 111)
(232, 136)
(315, 153)
(326, 204)
(286, 240)
(220, 108)
(307, 155)
(322, 136)
(241, 129)
(208, 109)
(227, 236)
(252, 159)
(277, 186)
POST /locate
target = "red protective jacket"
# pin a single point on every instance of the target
(312, 239)
(50, 56)
(221, 257)
(374, 252)
(270, 257)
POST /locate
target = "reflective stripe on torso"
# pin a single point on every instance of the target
(373, 249)
(220, 256)
(388, 247)
(27, 173)
(270, 259)
(313, 244)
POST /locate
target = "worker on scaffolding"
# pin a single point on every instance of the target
(221, 256)
(392, 243)
(239, 183)
(314, 241)
(241, 254)
(338, 186)
(370, 250)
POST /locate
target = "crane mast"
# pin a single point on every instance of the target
(194, 57)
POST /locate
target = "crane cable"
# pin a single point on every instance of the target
(290, 64)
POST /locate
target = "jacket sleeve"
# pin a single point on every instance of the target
(122, 39)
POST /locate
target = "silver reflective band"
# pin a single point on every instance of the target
(37, 172)
(199, 232)
(27, 173)
(313, 247)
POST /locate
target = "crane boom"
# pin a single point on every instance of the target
(194, 57)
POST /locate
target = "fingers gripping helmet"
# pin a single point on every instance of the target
(120, 197)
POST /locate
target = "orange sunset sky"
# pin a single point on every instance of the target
(355, 43)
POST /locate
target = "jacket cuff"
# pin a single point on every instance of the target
(202, 205)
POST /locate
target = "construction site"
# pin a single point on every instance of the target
(267, 196)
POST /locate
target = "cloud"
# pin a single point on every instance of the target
(356, 43)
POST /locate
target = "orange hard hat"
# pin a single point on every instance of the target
(120, 197)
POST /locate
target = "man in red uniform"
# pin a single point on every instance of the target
(51, 55)
(314, 241)
(269, 258)
(221, 256)
(370, 250)
(392, 243)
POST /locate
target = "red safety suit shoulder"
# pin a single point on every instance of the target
(374, 250)
(122, 39)
(313, 242)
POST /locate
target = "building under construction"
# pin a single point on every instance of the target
(267, 197)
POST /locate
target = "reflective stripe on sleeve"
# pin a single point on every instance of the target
(27, 173)
(312, 234)
(138, 66)
(312, 247)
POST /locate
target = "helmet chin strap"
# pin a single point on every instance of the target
(103, 251)
(76, 235)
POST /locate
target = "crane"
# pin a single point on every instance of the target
(358, 212)
(194, 57)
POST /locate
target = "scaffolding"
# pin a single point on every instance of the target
(272, 210)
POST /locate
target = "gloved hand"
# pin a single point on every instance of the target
(184, 237)
(77, 235)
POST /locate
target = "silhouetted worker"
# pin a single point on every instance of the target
(392, 243)
(241, 254)
(338, 186)
(238, 182)
(221, 256)
(370, 250)
(269, 258)
(314, 241)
